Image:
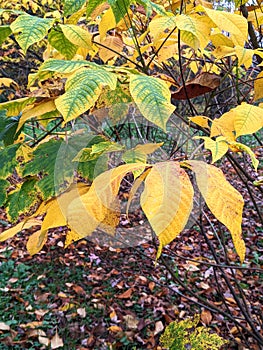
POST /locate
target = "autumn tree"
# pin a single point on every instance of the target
(161, 92)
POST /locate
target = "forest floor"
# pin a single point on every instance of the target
(91, 296)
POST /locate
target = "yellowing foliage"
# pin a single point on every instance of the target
(167, 201)
(224, 201)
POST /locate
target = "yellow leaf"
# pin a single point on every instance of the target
(218, 148)
(112, 45)
(224, 201)
(35, 111)
(107, 22)
(258, 87)
(219, 39)
(57, 207)
(25, 224)
(249, 151)
(72, 236)
(248, 119)
(244, 56)
(200, 120)
(99, 203)
(160, 24)
(167, 201)
(224, 126)
(224, 51)
(115, 329)
(8, 82)
(148, 148)
(36, 242)
(25, 151)
(235, 24)
(77, 35)
(137, 183)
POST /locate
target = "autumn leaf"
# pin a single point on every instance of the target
(167, 201)
(224, 201)
(56, 341)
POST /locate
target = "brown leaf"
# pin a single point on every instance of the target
(200, 85)
(79, 290)
(151, 286)
(206, 317)
(126, 295)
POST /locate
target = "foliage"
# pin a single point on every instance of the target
(185, 334)
(85, 84)
(162, 64)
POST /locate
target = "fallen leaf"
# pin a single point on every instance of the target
(131, 321)
(79, 290)
(115, 329)
(43, 340)
(151, 286)
(159, 327)
(4, 326)
(81, 312)
(33, 324)
(206, 317)
(126, 295)
(56, 342)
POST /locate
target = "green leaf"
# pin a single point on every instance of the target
(72, 6)
(152, 97)
(115, 101)
(119, 8)
(21, 200)
(30, 29)
(3, 187)
(92, 4)
(151, 6)
(134, 156)
(106, 146)
(57, 39)
(185, 334)
(89, 166)
(44, 163)
(8, 128)
(8, 160)
(14, 107)
(62, 66)
(5, 31)
(82, 90)
(77, 35)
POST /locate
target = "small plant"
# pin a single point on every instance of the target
(186, 335)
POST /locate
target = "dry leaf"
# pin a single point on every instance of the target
(126, 295)
(206, 317)
(56, 342)
(201, 84)
(81, 312)
(4, 326)
(131, 321)
(115, 329)
(159, 327)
